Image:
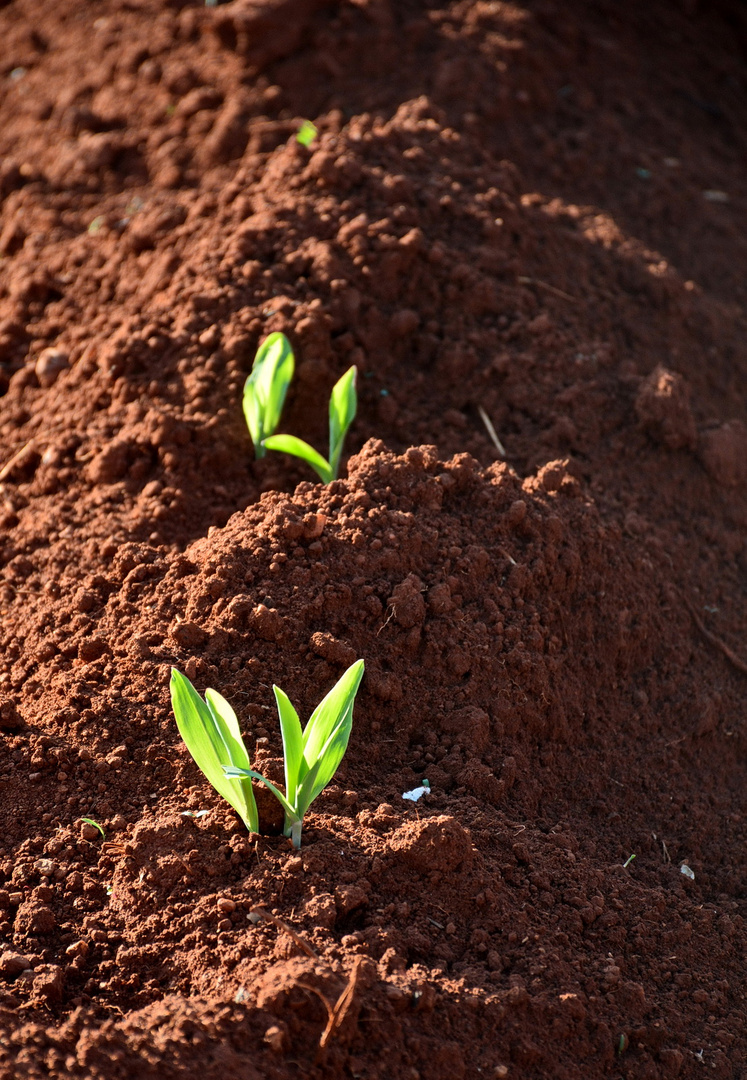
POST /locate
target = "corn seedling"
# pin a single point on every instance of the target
(312, 756)
(211, 733)
(266, 387)
(343, 405)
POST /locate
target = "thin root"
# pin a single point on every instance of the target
(336, 1013)
(730, 655)
(491, 431)
(301, 942)
(8, 467)
(550, 288)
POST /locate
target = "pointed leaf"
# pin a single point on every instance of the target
(305, 795)
(343, 405)
(266, 387)
(225, 720)
(336, 706)
(332, 753)
(290, 727)
(289, 444)
(210, 740)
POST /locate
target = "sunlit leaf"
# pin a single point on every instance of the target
(266, 387)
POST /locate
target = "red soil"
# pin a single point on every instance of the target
(535, 209)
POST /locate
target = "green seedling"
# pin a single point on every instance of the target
(312, 756)
(90, 821)
(211, 733)
(306, 133)
(343, 405)
(266, 387)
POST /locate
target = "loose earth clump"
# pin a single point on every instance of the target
(517, 212)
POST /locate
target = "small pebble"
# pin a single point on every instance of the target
(49, 365)
(12, 964)
(275, 1038)
(78, 948)
(225, 905)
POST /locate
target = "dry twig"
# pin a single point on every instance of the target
(342, 1006)
(301, 942)
(550, 288)
(8, 467)
(336, 1013)
(491, 431)
(730, 655)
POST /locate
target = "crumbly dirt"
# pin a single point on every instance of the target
(532, 212)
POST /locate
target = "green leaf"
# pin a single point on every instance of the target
(306, 133)
(306, 794)
(289, 444)
(90, 821)
(332, 753)
(266, 387)
(328, 730)
(343, 405)
(225, 720)
(290, 727)
(211, 734)
(330, 710)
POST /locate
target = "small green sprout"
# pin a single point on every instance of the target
(343, 405)
(90, 821)
(312, 756)
(306, 133)
(266, 387)
(211, 733)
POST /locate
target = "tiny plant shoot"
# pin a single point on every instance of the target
(306, 133)
(266, 387)
(343, 405)
(313, 755)
(90, 821)
(211, 733)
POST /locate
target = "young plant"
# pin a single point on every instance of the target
(306, 133)
(343, 405)
(313, 755)
(266, 387)
(211, 733)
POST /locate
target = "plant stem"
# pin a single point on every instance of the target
(295, 834)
